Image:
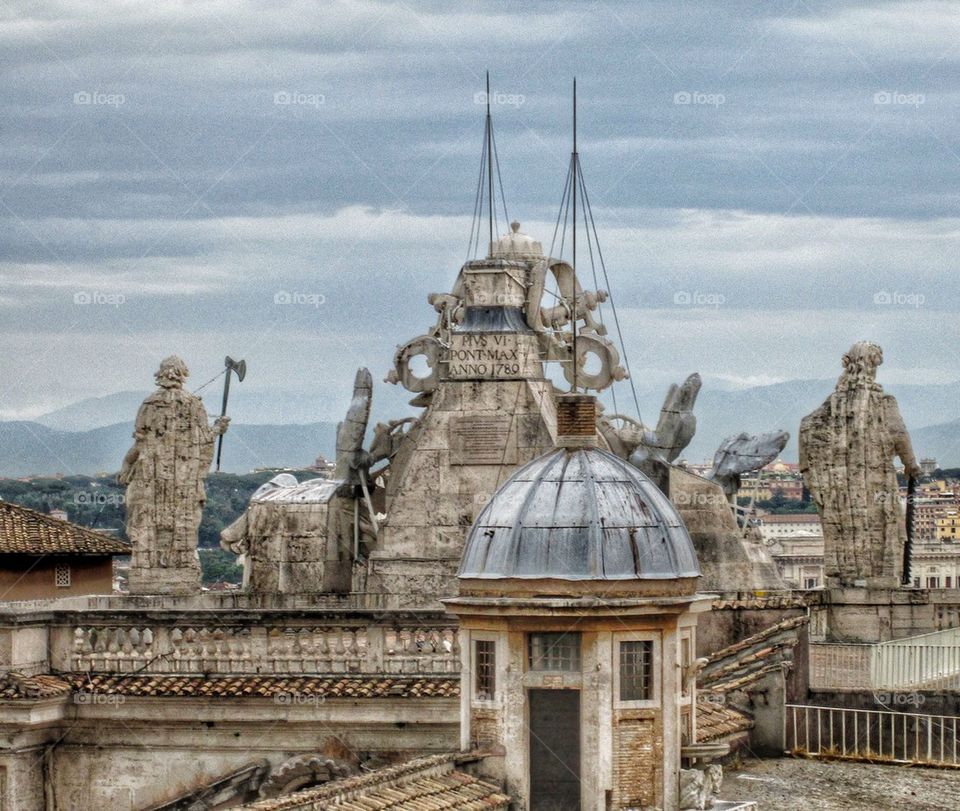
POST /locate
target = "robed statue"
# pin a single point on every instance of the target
(847, 451)
(164, 473)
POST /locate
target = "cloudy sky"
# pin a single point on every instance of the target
(771, 181)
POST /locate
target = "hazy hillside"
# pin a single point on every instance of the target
(723, 413)
(92, 435)
(30, 448)
(940, 441)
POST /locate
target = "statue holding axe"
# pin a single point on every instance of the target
(232, 366)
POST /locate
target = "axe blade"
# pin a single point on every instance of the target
(237, 366)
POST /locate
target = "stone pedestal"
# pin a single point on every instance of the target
(164, 571)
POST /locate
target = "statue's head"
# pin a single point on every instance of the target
(861, 362)
(172, 373)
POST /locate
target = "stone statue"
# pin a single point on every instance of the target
(164, 473)
(675, 428)
(847, 450)
(742, 453)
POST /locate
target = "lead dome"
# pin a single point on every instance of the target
(579, 515)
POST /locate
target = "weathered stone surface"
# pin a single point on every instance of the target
(847, 452)
(693, 794)
(731, 558)
(164, 473)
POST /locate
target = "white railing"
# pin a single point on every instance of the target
(929, 661)
(925, 662)
(874, 735)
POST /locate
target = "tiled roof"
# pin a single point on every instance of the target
(425, 784)
(452, 790)
(716, 720)
(275, 687)
(27, 532)
(14, 686)
(749, 659)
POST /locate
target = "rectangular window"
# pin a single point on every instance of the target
(555, 652)
(61, 576)
(933, 582)
(484, 669)
(636, 670)
(948, 582)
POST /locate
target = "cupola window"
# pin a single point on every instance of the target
(555, 652)
(484, 669)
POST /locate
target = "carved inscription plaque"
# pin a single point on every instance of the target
(491, 356)
(479, 439)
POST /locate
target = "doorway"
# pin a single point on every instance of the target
(554, 750)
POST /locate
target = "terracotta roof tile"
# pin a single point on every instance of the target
(16, 686)
(751, 658)
(275, 687)
(423, 784)
(717, 720)
(27, 532)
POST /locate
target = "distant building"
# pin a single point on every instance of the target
(777, 478)
(44, 556)
(323, 465)
(779, 526)
(799, 557)
(928, 466)
(60, 515)
(948, 525)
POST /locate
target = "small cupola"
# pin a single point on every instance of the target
(578, 613)
(516, 246)
(579, 520)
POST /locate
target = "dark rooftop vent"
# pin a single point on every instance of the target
(576, 420)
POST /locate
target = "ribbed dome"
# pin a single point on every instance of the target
(579, 515)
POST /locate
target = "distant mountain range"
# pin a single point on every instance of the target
(28, 448)
(92, 435)
(931, 412)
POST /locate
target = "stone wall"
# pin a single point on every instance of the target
(472, 438)
(138, 752)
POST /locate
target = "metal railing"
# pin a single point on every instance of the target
(924, 662)
(928, 661)
(873, 735)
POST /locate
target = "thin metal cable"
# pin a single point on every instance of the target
(217, 375)
(613, 305)
(566, 186)
(474, 223)
(596, 283)
(496, 160)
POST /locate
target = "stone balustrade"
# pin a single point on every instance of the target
(264, 649)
